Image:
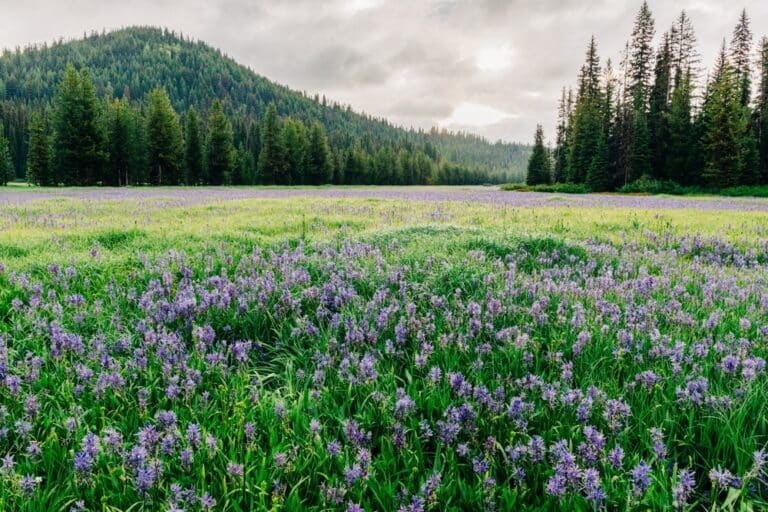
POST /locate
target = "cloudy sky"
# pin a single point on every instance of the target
(493, 67)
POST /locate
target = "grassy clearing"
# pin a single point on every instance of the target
(319, 353)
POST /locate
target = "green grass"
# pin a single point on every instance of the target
(499, 294)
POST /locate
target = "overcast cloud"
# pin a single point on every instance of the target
(493, 67)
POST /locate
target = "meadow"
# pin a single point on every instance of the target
(381, 349)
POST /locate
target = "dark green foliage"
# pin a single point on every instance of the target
(134, 61)
(539, 166)
(653, 132)
(6, 165)
(271, 159)
(119, 132)
(319, 164)
(164, 141)
(587, 121)
(40, 152)
(722, 119)
(220, 156)
(295, 144)
(560, 155)
(598, 179)
(761, 124)
(658, 114)
(193, 149)
(79, 134)
(678, 158)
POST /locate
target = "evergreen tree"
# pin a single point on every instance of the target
(685, 57)
(641, 54)
(165, 147)
(319, 165)
(271, 160)
(220, 150)
(561, 143)
(40, 152)
(119, 134)
(677, 164)
(640, 148)
(587, 120)
(6, 164)
(539, 167)
(294, 141)
(598, 179)
(79, 134)
(761, 124)
(193, 149)
(741, 53)
(722, 118)
(658, 114)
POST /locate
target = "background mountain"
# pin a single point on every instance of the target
(131, 62)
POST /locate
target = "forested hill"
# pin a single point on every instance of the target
(131, 62)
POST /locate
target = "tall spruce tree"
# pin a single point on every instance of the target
(587, 120)
(165, 146)
(220, 150)
(79, 134)
(319, 164)
(193, 149)
(658, 114)
(539, 166)
(561, 143)
(271, 157)
(40, 153)
(119, 135)
(677, 163)
(741, 57)
(685, 57)
(641, 53)
(761, 130)
(295, 144)
(640, 69)
(6, 164)
(722, 118)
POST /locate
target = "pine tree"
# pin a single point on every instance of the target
(119, 134)
(761, 124)
(685, 57)
(561, 143)
(722, 118)
(271, 157)
(641, 54)
(6, 164)
(294, 140)
(677, 164)
(40, 152)
(587, 120)
(319, 165)
(640, 148)
(598, 179)
(741, 52)
(220, 150)
(539, 167)
(658, 113)
(165, 147)
(193, 149)
(79, 134)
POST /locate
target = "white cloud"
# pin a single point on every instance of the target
(470, 114)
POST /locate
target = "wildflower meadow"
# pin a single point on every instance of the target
(381, 349)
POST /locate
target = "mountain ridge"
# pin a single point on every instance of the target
(131, 61)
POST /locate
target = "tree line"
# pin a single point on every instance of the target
(129, 64)
(86, 141)
(659, 118)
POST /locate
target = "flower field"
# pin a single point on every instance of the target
(381, 349)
